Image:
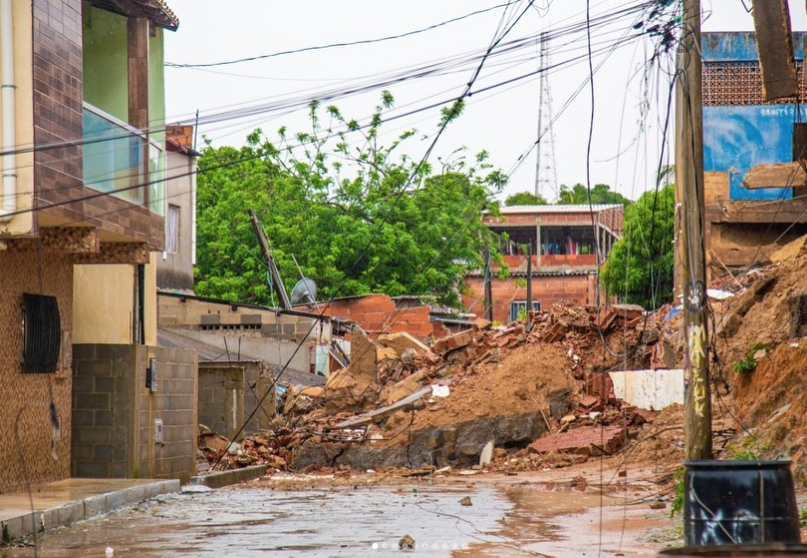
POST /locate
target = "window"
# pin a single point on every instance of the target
(520, 306)
(172, 232)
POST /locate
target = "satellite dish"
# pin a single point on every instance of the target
(304, 292)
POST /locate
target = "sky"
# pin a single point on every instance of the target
(629, 100)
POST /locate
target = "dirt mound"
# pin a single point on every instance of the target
(519, 383)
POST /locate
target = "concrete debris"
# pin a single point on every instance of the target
(538, 388)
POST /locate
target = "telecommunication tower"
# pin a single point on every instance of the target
(546, 175)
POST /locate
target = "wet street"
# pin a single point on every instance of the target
(360, 521)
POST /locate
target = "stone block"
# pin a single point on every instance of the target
(83, 383)
(103, 452)
(104, 418)
(251, 319)
(91, 470)
(104, 384)
(92, 435)
(83, 418)
(210, 319)
(116, 352)
(118, 470)
(93, 401)
(69, 513)
(95, 505)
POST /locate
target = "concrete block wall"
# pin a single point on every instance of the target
(175, 404)
(114, 412)
(189, 312)
(229, 395)
(103, 405)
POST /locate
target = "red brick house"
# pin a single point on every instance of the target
(566, 242)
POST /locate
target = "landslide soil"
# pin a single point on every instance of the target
(520, 383)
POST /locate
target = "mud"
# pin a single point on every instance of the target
(508, 521)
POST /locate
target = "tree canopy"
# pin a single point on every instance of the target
(600, 193)
(357, 219)
(640, 266)
(525, 198)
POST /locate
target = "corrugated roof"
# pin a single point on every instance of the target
(581, 208)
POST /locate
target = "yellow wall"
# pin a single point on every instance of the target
(103, 303)
(23, 76)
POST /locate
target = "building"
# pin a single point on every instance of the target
(81, 224)
(566, 242)
(175, 265)
(752, 207)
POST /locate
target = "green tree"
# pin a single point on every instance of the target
(600, 193)
(365, 217)
(525, 198)
(640, 266)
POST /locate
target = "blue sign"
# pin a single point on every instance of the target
(736, 138)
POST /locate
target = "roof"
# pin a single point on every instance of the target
(209, 354)
(312, 315)
(580, 208)
(156, 11)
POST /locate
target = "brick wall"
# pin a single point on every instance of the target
(27, 395)
(114, 413)
(378, 314)
(548, 290)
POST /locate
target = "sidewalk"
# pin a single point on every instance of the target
(65, 502)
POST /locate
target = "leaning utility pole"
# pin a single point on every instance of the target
(277, 280)
(690, 206)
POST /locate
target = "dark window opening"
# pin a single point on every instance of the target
(520, 307)
(516, 241)
(567, 241)
(42, 333)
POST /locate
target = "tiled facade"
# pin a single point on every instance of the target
(58, 96)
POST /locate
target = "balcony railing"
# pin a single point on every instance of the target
(114, 160)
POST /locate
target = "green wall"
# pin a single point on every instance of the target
(106, 79)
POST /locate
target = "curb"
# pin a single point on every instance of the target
(78, 510)
(226, 478)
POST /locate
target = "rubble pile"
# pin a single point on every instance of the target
(403, 403)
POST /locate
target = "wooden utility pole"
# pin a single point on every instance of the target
(488, 288)
(529, 280)
(690, 202)
(277, 281)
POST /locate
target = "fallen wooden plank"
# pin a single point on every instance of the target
(777, 175)
(367, 418)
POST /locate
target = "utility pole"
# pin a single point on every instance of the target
(529, 281)
(690, 205)
(277, 281)
(488, 288)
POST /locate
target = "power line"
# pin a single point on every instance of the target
(338, 45)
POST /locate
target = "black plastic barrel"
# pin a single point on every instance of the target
(738, 551)
(739, 502)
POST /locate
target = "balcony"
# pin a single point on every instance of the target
(115, 162)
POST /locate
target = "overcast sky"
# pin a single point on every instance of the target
(503, 121)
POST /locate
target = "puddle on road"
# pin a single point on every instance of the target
(248, 522)
(364, 522)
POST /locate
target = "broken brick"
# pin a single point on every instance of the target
(592, 440)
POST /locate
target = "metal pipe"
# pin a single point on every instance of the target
(9, 135)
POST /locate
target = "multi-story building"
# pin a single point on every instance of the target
(566, 242)
(82, 221)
